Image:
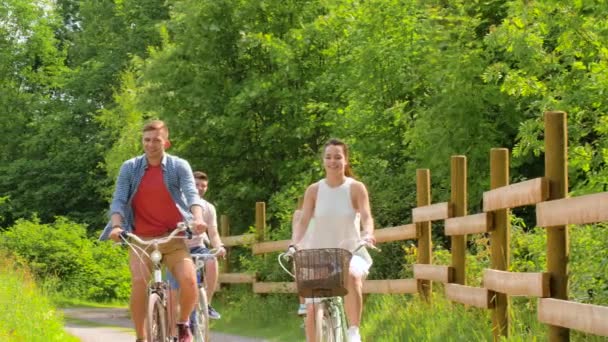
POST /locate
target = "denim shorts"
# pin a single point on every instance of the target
(194, 250)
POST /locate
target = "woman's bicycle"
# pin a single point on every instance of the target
(199, 323)
(158, 318)
(321, 276)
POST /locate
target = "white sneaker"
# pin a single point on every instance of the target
(302, 309)
(353, 334)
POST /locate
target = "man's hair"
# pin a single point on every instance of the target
(157, 125)
(200, 175)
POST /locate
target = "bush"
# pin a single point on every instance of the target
(66, 261)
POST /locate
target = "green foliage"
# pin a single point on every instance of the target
(589, 264)
(552, 56)
(251, 90)
(26, 315)
(64, 260)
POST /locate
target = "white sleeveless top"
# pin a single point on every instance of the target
(336, 223)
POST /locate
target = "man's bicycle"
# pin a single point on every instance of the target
(158, 318)
(200, 322)
(321, 277)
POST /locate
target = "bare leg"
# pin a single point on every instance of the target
(310, 323)
(188, 295)
(211, 278)
(173, 310)
(140, 274)
(353, 301)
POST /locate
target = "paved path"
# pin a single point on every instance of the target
(114, 324)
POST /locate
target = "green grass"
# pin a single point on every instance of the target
(65, 302)
(271, 316)
(408, 318)
(25, 313)
(385, 318)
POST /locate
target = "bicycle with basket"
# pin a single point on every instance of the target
(322, 275)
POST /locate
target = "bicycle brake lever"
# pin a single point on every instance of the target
(123, 237)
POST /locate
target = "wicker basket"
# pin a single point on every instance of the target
(322, 272)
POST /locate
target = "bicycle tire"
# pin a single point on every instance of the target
(338, 317)
(324, 324)
(201, 331)
(157, 319)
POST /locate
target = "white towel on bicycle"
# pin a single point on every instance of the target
(359, 267)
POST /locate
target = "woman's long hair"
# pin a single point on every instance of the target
(348, 172)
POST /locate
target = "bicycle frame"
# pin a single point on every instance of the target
(201, 323)
(159, 319)
(330, 311)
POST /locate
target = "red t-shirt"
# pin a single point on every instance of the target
(154, 209)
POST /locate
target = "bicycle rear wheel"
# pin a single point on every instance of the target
(157, 319)
(325, 326)
(201, 328)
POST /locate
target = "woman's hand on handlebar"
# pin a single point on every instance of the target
(291, 250)
(369, 239)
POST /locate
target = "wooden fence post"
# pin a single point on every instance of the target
(500, 240)
(423, 198)
(556, 171)
(458, 201)
(260, 221)
(225, 231)
(260, 224)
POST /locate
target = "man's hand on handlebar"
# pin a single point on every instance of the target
(199, 226)
(221, 251)
(115, 234)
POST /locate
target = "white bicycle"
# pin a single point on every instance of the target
(322, 275)
(158, 318)
(200, 321)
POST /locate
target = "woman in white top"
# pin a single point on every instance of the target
(338, 203)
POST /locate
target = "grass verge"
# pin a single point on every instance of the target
(385, 318)
(25, 313)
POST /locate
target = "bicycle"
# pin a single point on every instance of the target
(322, 274)
(158, 319)
(200, 324)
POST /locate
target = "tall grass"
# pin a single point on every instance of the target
(409, 318)
(268, 316)
(385, 318)
(25, 313)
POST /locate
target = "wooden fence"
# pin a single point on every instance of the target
(554, 211)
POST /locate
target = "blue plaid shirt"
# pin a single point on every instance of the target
(177, 176)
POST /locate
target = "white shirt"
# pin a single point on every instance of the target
(210, 219)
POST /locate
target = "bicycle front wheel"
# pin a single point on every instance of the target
(325, 326)
(157, 319)
(201, 323)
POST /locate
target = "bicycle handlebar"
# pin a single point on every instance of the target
(291, 250)
(213, 253)
(181, 227)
